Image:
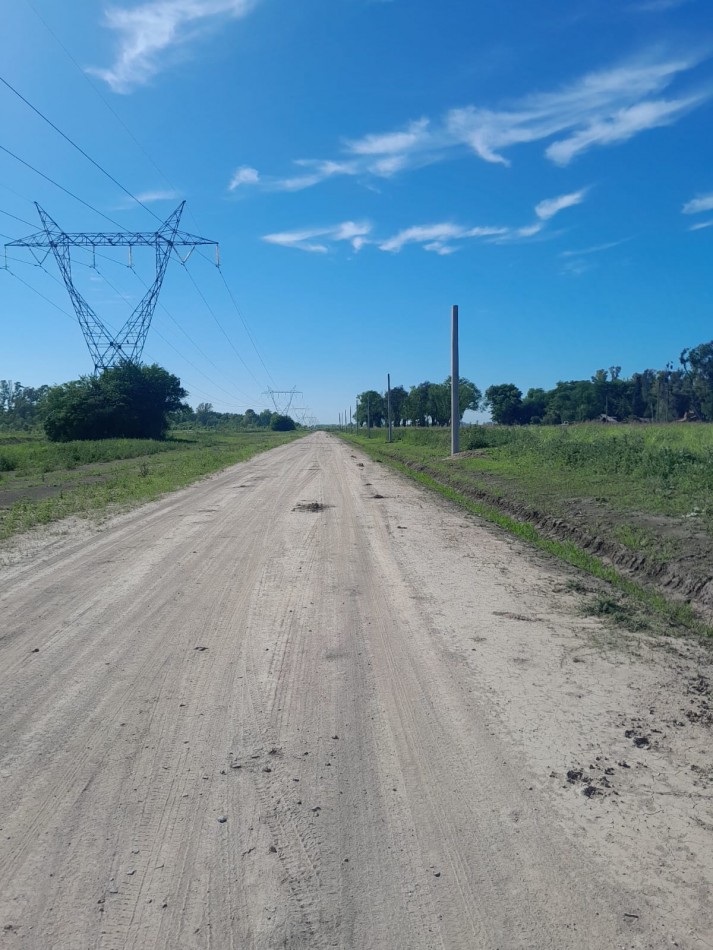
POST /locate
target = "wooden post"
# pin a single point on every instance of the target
(455, 380)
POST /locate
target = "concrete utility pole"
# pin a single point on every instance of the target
(368, 418)
(455, 380)
(388, 401)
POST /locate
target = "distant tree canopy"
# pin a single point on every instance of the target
(658, 395)
(125, 401)
(207, 417)
(425, 404)
(21, 407)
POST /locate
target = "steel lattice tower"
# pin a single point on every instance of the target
(106, 347)
(282, 399)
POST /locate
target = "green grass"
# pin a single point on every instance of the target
(89, 477)
(653, 469)
(660, 469)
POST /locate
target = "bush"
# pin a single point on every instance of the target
(126, 401)
(282, 424)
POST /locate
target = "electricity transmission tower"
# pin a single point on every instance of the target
(282, 399)
(106, 347)
(301, 413)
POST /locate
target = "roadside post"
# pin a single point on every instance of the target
(388, 401)
(455, 380)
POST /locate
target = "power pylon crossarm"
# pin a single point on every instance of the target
(106, 347)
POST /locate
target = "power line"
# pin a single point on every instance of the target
(212, 313)
(78, 147)
(183, 356)
(105, 101)
(166, 341)
(143, 150)
(247, 329)
(62, 188)
(126, 191)
(163, 307)
(21, 220)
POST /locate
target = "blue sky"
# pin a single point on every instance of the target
(364, 164)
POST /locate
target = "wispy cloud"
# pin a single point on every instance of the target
(438, 237)
(353, 232)
(698, 204)
(442, 238)
(392, 143)
(598, 109)
(149, 32)
(700, 225)
(147, 197)
(244, 176)
(576, 263)
(551, 206)
(595, 249)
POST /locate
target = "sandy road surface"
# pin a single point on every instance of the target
(230, 722)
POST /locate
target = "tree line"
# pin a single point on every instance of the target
(657, 395)
(126, 401)
(663, 395)
(427, 404)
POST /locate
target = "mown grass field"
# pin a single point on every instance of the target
(41, 481)
(613, 493)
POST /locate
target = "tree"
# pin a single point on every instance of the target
(125, 401)
(204, 413)
(416, 407)
(398, 402)
(282, 423)
(469, 396)
(504, 402)
(439, 403)
(697, 365)
(372, 404)
(534, 407)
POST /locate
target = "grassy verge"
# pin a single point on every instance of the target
(507, 468)
(48, 482)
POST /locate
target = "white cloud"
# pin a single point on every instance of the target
(530, 230)
(551, 206)
(596, 249)
(621, 126)
(151, 30)
(244, 176)
(601, 108)
(700, 225)
(698, 204)
(391, 143)
(437, 248)
(146, 197)
(320, 171)
(437, 237)
(353, 232)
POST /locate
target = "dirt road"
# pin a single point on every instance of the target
(280, 710)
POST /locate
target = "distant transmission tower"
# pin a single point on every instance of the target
(300, 414)
(105, 347)
(282, 399)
